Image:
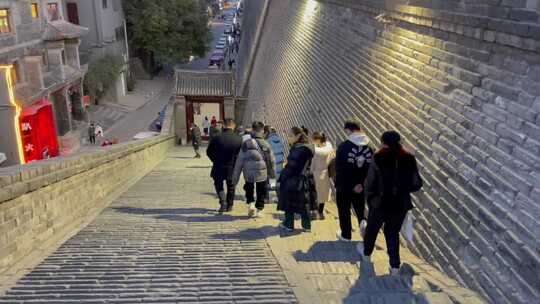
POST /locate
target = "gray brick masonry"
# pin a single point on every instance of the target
(460, 80)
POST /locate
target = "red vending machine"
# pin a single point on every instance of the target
(38, 132)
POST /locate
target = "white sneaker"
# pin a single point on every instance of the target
(363, 225)
(360, 249)
(340, 238)
(252, 210)
(394, 272)
(258, 213)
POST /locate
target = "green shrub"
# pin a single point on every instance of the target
(102, 75)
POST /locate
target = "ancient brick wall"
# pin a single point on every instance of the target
(460, 80)
(252, 17)
(42, 203)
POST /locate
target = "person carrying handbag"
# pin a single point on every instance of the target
(391, 179)
(296, 183)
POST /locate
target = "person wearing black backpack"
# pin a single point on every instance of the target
(392, 177)
(297, 192)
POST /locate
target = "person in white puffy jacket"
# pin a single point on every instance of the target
(324, 154)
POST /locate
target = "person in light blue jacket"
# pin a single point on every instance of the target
(277, 147)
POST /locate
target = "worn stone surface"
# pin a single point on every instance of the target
(43, 202)
(460, 81)
(162, 242)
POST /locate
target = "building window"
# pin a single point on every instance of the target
(52, 10)
(104, 4)
(35, 10)
(73, 13)
(63, 57)
(4, 21)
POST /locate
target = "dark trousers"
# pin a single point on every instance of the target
(92, 139)
(231, 187)
(321, 208)
(261, 193)
(392, 225)
(346, 199)
(289, 220)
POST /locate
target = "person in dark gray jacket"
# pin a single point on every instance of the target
(257, 162)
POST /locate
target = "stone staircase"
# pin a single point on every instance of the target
(321, 62)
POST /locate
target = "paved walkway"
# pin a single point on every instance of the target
(161, 242)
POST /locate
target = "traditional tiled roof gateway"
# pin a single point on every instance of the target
(204, 83)
(61, 29)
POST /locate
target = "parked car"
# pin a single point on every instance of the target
(217, 58)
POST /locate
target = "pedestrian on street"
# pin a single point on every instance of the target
(391, 179)
(277, 148)
(257, 163)
(99, 131)
(353, 158)
(324, 154)
(215, 130)
(231, 62)
(223, 151)
(196, 139)
(158, 122)
(297, 192)
(213, 122)
(92, 133)
(206, 125)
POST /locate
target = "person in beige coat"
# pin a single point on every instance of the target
(324, 154)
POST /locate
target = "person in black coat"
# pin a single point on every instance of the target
(223, 151)
(353, 158)
(391, 179)
(297, 192)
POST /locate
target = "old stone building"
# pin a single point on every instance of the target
(40, 51)
(107, 35)
(459, 79)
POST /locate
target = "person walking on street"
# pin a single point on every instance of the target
(215, 130)
(223, 151)
(297, 192)
(196, 139)
(277, 148)
(353, 158)
(391, 179)
(324, 154)
(99, 131)
(206, 126)
(257, 163)
(92, 133)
